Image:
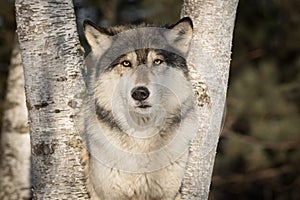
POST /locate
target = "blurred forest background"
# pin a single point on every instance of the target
(258, 155)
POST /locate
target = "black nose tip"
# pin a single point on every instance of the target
(140, 93)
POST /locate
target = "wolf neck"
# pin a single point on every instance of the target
(135, 140)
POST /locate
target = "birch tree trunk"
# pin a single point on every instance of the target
(52, 63)
(209, 61)
(15, 139)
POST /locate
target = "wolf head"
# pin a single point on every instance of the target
(139, 76)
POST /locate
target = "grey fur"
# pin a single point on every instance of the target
(137, 149)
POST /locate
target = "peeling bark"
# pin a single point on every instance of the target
(15, 138)
(209, 61)
(53, 65)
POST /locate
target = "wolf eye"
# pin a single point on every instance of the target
(157, 62)
(126, 63)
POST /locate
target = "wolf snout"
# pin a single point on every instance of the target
(140, 93)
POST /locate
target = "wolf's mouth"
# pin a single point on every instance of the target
(144, 106)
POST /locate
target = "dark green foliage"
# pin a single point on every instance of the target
(7, 29)
(259, 153)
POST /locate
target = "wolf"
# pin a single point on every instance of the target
(139, 114)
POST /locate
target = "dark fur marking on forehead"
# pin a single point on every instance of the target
(142, 55)
(172, 59)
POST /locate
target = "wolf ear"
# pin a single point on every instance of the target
(180, 35)
(97, 37)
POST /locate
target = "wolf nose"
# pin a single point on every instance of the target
(140, 93)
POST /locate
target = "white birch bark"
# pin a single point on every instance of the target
(15, 139)
(52, 63)
(209, 61)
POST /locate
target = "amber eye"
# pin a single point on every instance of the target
(126, 63)
(157, 62)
